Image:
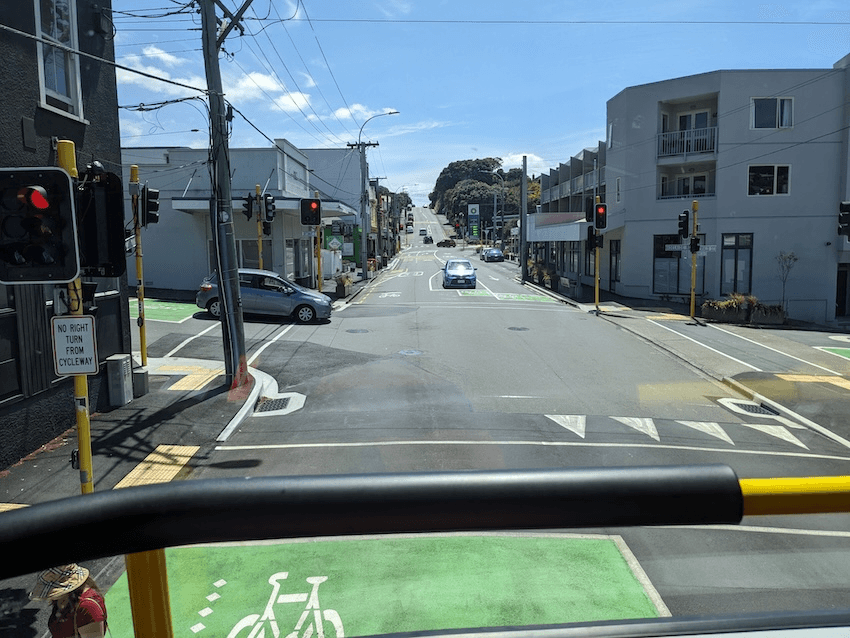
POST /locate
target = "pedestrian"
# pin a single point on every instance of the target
(78, 606)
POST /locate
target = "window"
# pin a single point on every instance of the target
(769, 180)
(772, 112)
(59, 69)
(589, 261)
(736, 264)
(691, 185)
(617, 181)
(671, 266)
(614, 260)
(574, 257)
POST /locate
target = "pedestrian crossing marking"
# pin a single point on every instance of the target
(643, 425)
(573, 422)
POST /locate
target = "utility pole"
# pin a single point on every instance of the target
(523, 207)
(221, 209)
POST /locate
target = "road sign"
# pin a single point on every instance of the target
(711, 248)
(74, 349)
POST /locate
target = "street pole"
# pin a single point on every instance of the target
(140, 289)
(695, 206)
(221, 213)
(260, 216)
(523, 207)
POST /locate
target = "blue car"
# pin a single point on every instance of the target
(458, 273)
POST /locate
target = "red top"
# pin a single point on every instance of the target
(91, 608)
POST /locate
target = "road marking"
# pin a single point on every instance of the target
(723, 354)
(192, 338)
(196, 377)
(709, 427)
(573, 422)
(778, 431)
(844, 353)
(267, 344)
(663, 446)
(785, 354)
(160, 466)
(6, 507)
(646, 426)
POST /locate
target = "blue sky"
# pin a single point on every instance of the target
(469, 78)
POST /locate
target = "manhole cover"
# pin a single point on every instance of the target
(357, 330)
(518, 328)
(269, 405)
(752, 408)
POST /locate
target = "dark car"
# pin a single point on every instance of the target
(428, 240)
(265, 292)
(446, 243)
(492, 254)
(458, 273)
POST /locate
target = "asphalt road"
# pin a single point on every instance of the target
(408, 376)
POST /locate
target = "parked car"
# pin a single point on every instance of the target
(492, 254)
(266, 293)
(446, 243)
(409, 228)
(428, 240)
(458, 273)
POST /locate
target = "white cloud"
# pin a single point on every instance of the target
(359, 112)
(164, 57)
(290, 102)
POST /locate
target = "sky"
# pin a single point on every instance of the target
(469, 78)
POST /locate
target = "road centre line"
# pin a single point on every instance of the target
(676, 332)
(785, 354)
(190, 339)
(362, 444)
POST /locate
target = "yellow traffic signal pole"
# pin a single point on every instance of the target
(695, 206)
(596, 260)
(260, 217)
(321, 276)
(67, 158)
(140, 289)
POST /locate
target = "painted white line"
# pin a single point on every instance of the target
(765, 530)
(190, 339)
(784, 354)
(268, 343)
(576, 423)
(641, 577)
(723, 354)
(663, 446)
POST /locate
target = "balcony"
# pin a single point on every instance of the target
(693, 141)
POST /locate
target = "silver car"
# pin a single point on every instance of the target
(266, 293)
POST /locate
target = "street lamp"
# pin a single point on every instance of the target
(364, 194)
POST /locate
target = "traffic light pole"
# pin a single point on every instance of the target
(695, 207)
(259, 227)
(140, 289)
(67, 159)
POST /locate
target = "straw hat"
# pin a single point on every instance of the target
(55, 582)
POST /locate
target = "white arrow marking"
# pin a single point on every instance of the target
(709, 428)
(573, 422)
(778, 431)
(641, 425)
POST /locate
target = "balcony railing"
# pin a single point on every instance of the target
(700, 140)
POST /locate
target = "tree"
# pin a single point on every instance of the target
(457, 172)
(786, 262)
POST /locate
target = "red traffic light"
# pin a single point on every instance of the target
(34, 196)
(600, 216)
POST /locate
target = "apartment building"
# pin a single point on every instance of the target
(764, 153)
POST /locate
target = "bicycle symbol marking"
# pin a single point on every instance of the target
(257, 623)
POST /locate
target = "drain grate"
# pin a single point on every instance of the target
(752, 408)
(270, 405)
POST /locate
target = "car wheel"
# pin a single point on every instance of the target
(214, 308)
(305, 314)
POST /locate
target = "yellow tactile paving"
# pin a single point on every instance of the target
(5, 507)
(160, 466)
(195, 377)
(670, 316)
(841, 382)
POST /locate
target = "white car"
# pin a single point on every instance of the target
(410, 229)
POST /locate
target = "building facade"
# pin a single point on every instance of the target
(764, 153)
(53, 93)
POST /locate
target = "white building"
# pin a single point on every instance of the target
(178, 250)
(763, 152)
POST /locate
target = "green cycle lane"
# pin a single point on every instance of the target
(375, 585)
(157, 310)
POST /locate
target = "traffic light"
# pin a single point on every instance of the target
(100, 223)
(600, 216)
(38, 230)
(149, 206)
(695, 244)
(311, 212)
(844, 218)
(248, 206)
(593, 240)
(683, 224)
(267, 228)
(268, 207)
(588, 209)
